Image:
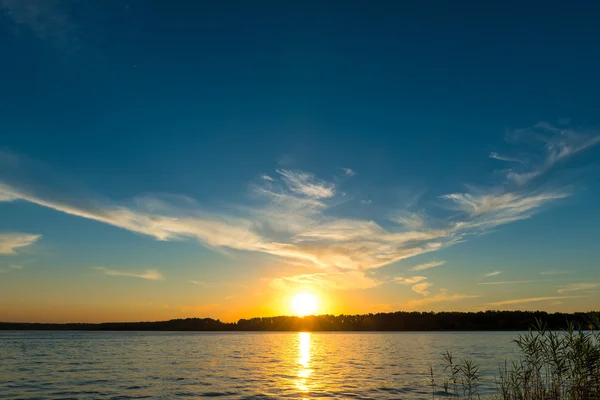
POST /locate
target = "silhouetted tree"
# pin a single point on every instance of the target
(396, 321)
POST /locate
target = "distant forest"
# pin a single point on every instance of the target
(396, 321)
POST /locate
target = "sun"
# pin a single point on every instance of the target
(304, 304)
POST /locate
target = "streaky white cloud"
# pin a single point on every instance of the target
(576, 287)
(493, 273)
(504, 282)
(522, 178)
(200, 283)
(423, 267)
(409, 281)
(6, 194)
(501, 207)
(367, 202)
(267, 178)
(148, 274)
(554, 272)
(422, 288)
(326, 280)
(497, 156)
(10, 242)
(410, 221)
(290, 217)
(349, 171)
(419, 284)
(530, 300)
(558, 144)
(307, 184)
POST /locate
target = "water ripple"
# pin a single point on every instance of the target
(165, 365)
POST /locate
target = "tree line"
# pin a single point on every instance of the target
(395, 321)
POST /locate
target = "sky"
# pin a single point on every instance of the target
(174, 159)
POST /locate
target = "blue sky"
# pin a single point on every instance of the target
(168, 159)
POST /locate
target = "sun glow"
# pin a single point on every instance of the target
(304, 304)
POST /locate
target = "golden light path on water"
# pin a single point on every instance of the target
(304, 370)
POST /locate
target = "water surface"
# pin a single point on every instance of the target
(166, 365)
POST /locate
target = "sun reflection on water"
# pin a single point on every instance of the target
(304, 369)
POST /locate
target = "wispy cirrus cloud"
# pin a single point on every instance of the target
(343, 280)
(409, 281)
(559, 143)
(493, 273)
(530, 300)
(290, 223)
(554, 272)
(419, 284)
(291, 218)
(148, 274)
(6, 195)
(492, 209)
(576, 287)
(422, 288)
(429, 265)
(200, 283)
(10, 242)
(497, 156)
(410, 220)
(307, 184)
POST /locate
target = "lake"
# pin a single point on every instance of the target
(127, 365)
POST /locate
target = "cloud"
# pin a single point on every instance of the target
(267, 178)
(151, 275)
(529, 300)
(576, 287)
(422, 288)
(418, 282)
(289, 224)
(295, 218)
(6, 195)
(326, 280)
(554, 272)
(409, 281)
(504, 282)
(410, 221)
(307, 184)
(496, 156)
(199, 283)
(558, 144)
(423, 267)
(349, 171)
(491, 209)
(494, 273)
(366, 201)
(9, 242)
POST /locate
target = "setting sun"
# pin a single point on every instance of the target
(304, 304)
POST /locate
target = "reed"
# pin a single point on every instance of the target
(553, 365)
